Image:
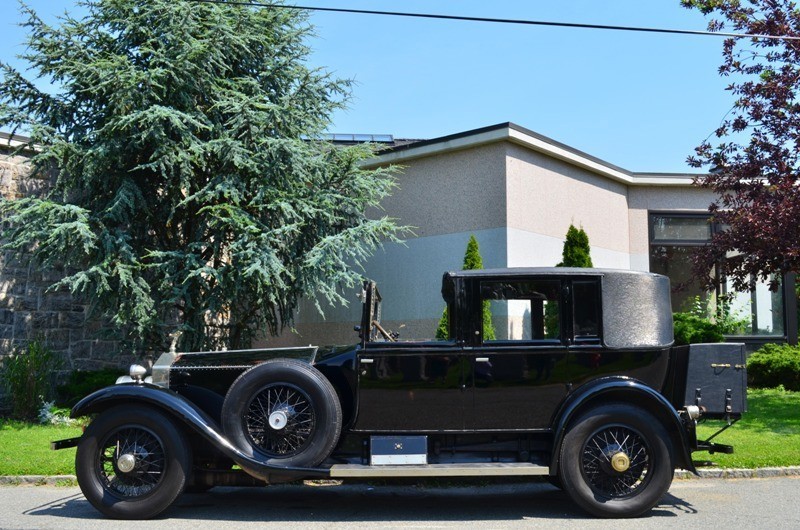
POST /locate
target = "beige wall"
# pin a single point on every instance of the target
(460, 191)
(545, 195)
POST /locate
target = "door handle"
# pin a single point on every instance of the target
(367, 361)
(481, 359)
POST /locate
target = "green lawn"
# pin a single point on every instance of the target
(25, 449)
(769, 435)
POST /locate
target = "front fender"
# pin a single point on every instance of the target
(626, 390)
(178, 407)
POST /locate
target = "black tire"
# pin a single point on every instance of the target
(283, 412)
(149, 442)
(643, 475)
(555, 481)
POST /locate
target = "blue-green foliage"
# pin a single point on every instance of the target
(191, 192)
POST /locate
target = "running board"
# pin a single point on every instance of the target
(438, 470)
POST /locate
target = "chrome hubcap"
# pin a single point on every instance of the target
(278, 420)
(126, 463)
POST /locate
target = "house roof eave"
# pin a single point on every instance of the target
(526, 138)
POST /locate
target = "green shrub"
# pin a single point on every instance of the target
(82, 383)
(729, 321)
(692, 329)
(576, 251)
(774, 365)
(27, 378)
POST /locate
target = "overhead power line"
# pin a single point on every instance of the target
(506, 20)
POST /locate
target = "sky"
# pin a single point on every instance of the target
(637, 100)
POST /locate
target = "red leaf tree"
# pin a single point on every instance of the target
(754, 168)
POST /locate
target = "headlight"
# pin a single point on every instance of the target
(137, 372)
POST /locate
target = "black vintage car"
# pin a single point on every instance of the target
(577, 381)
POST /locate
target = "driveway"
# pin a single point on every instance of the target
(699, 503)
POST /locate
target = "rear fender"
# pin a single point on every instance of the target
(626, 390)
(183, 410)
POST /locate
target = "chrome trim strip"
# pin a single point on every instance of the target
(440, 470)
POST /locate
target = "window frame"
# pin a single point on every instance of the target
(552, 341)
(788, 301)
(566, 313)
(596, 340)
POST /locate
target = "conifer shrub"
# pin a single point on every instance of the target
(576, 252)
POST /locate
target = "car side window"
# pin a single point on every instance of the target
(521, 310)
(586, 310)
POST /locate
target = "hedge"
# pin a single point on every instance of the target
(773, 365)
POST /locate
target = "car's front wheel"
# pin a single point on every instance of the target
(616, 461)
(132, 462)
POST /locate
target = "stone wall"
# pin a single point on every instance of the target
(29, 309)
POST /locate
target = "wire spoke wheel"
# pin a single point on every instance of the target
(280, 420)
(283, 412)
(616, 462)
(131, 462)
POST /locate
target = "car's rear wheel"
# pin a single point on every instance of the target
(616, 461)
(132, 462)
(283, 412)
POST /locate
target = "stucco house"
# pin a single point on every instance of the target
(517, 192)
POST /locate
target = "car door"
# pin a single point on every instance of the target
(411, 387)
(520, 372)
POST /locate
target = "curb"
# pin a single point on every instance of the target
(761, 472)
(38, 480)
(680, 474)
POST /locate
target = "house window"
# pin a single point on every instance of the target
(673, 238)
(523, 310)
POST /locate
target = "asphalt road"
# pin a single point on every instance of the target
(704, 503)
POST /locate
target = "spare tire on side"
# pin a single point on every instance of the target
(283, 412)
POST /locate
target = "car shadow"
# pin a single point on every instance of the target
(364, 502)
